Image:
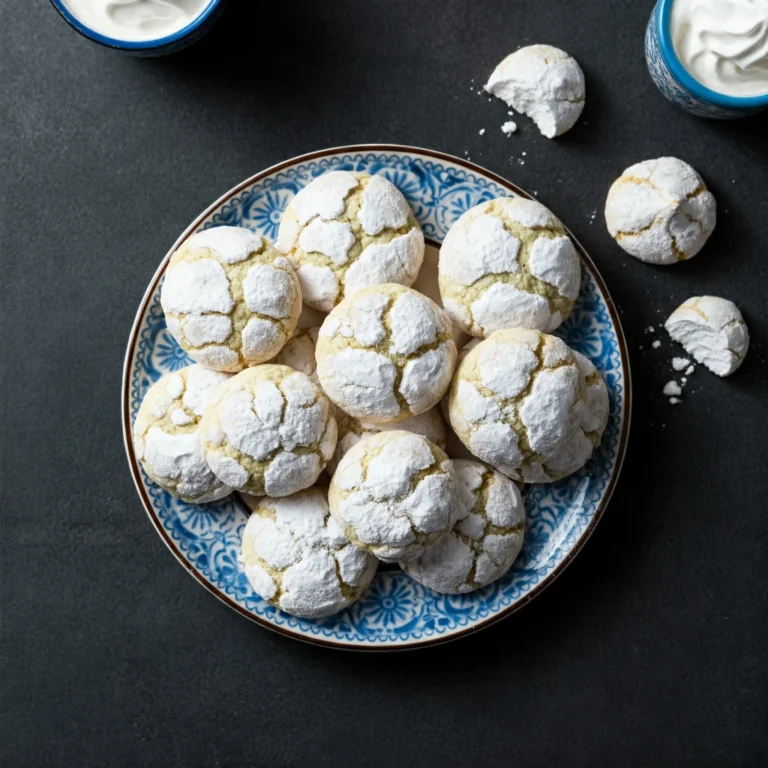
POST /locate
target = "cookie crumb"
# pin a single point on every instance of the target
(481, 131)
(680, 363)
(690, 370)
(672, 388)
(656, 344)
(674, 401)
(509, 127)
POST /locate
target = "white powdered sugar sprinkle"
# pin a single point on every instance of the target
(295, 556)
(543, 82)
(394, 493)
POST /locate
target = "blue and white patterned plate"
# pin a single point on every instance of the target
(396, 612)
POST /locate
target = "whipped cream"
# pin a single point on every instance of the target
(136, 20)
(723, 44)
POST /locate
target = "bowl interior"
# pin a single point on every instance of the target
(135, 45)
(688, 81)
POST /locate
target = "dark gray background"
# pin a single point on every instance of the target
(649, 651)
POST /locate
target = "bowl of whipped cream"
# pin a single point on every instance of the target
(141, 27)
(710, 57)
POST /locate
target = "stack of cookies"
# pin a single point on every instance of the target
(271, 408)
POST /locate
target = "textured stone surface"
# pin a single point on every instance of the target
(651, 647)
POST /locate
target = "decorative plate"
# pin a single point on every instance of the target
(396, 613)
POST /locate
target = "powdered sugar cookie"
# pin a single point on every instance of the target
(543, 82)
(429, 424)
(230, 299)
(463, 352)
(347, 230)
(268, 430)
(165, 435)
(393, 494)
(297, 558)
(713, 331)
(385, 354)
(485, 540)
(576, 450)
(508, 263)
(299, 352)
(516, 400)
(660, 211)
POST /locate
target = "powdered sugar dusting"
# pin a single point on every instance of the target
(166, 434)
(384, 206)
(230, 244)
(484, 542)
(311, 569)
(516, 400)
(543, 82)
(660, 211)
(332, 238)
(378, 334)
(508, 263)
(273, 423)
(324, 197)
(712, 330)
(393, 493)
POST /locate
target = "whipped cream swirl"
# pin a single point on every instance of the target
(136, 20)
(723, 44)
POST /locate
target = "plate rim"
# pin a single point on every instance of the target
(626, 415)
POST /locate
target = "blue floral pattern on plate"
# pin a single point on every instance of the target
(396, 612)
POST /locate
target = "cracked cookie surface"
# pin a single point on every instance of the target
(347, 230)
(486, 539)
(165, 434)
(508, 263)
(230, 299)
(576, 450)
(712, 330)
(298, 559)
(517, 398)
(544, 83)
(393, 494)
(268, 430)
(660, 211)
(429, 424)
(386, 353)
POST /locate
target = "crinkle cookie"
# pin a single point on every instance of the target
(463, 352)
(660, 211)
(386, 353)
(165, 435)
(393, 494)
(230, 299)
(508, 263)
(429, 424)
(516, 400)
(299, 352)
(268, 430)
(486, 539)
(576, 450)
(543, 82)
(712, 330)
(297, 558)
(347, 230)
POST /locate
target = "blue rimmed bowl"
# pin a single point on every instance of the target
(396, 613)
(160, 46)
(678, 85)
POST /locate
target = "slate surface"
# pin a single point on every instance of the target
(649, 651)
